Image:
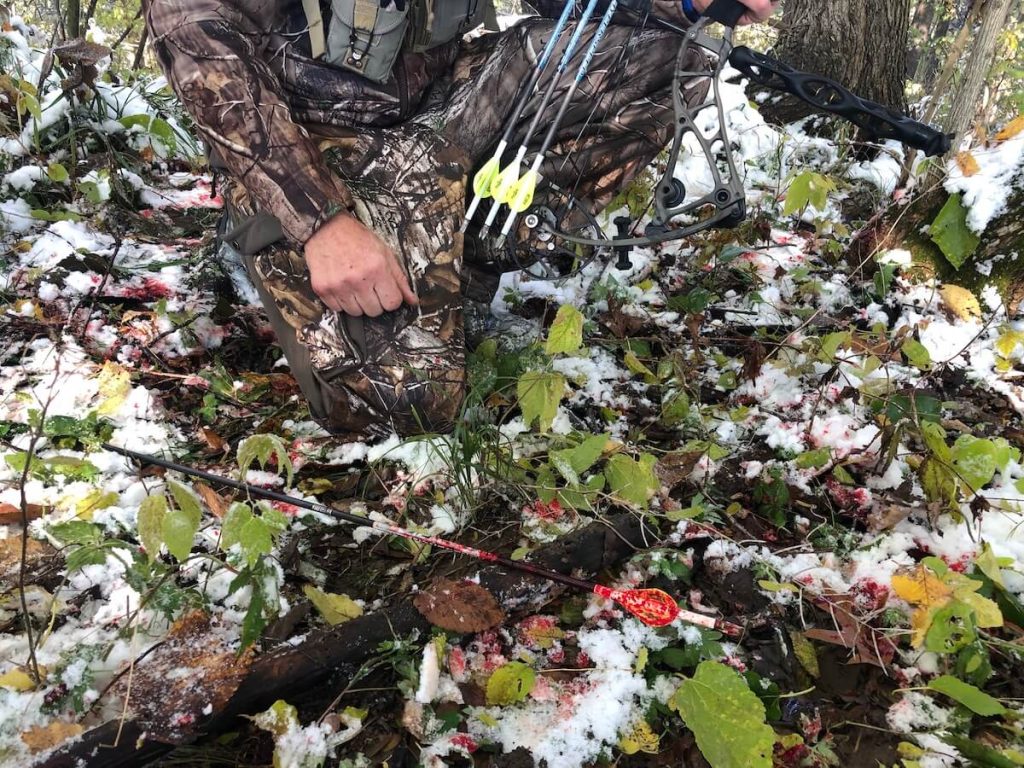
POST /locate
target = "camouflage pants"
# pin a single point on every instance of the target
(404, 371)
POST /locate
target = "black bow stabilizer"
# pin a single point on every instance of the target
(827, 95)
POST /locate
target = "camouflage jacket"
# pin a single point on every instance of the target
(243, 71)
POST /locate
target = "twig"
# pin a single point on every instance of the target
(33, 662)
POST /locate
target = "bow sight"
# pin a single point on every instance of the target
(725, 205)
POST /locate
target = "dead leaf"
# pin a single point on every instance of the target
(459, 606)
(218, 504)
(968, 165)
(673, 468)
(1011, 129)
(960, 302)
(11, 515)
(214, 442)
(43, 737)
(883, 518)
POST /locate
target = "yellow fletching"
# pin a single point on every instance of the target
(485, 178)
(521, 197)
(504, 183)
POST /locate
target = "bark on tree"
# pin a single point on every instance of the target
(860, 43)
(71, 27)
(967, 96)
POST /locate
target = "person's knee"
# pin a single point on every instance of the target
(431, 404)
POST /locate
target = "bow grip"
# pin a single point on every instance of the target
(726, 12)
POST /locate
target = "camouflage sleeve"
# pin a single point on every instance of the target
(211, 51)
(669, 10)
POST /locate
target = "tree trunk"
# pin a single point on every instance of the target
(967, 96)
(71, 28)
(860, 43)
(903, 228)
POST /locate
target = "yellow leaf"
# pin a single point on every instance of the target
(43, 737)
(805, 653)
(1007, 342)
(986, 612)
(640, 738)
(18, 679)
(924, 590)
(335, 609)
(115, 382)
(960, 301)
(968, 165)
(1011, 129)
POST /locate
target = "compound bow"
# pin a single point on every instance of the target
(725, 205)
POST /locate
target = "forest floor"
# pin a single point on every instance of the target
(776, 425)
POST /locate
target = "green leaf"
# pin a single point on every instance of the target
(814, 459)
(237, 516)
(693, 303)
(917, 354)
(560, 460)
(255, 539)
(979, 754)
(726, 717)
(975, 460)
(181, 522)
(950, 232)
(675, 408)
(566, 333)
(539, 394)
(260, 448)
(510, 683)
(586, 454)
(636, 367)
(152, 511)
(76, 532)
(808, 189)
(632, 481)
(255, 620)
(971, 697)
(335, 608)
(57, 173)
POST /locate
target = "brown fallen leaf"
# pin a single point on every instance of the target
(11, 515)
(218, 504)
(214, 442)
(459, 606)
(43, 737)
(673, 468)
(968, 165)
(1011, 129)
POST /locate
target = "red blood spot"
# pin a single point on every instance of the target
(550, 511)
(792, 757)
(150, 290)
(869, 596)
(464, 741)
(457, 664)
(284, 507)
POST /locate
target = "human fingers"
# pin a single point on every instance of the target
(402, 283)
(388, 294)
(368, 302)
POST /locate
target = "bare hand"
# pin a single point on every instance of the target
(760, 10)
(353, 271)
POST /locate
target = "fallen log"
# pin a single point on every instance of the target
(293, 672)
